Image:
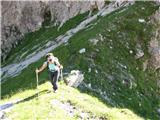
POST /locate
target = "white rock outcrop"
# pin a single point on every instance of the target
(154, 44)
(83, 50)
(75, 78)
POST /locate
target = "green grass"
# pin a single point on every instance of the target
(41, 36)
(122, 31)
(34, 106)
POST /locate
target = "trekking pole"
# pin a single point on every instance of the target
(61, 74)
(37, 84)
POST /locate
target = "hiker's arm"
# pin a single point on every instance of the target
(61, 66)
(41, 68)
(58, 64)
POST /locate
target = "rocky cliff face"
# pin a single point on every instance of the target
(154, 45)
(20, 17)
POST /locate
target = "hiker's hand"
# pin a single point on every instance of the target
(37, 71)
(61, 67)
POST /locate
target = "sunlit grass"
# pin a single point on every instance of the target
(40, 108)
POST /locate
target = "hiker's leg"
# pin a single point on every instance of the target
(55, 80)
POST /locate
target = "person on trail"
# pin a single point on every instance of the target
(53, 67)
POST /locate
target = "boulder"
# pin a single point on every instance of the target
(93, 41)
(141, 20)
(139, 52)
(74, 78)
(83, 50)
(2, 115)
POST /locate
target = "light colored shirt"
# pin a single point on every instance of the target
(53, 65)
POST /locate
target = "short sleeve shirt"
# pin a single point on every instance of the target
(53, 67)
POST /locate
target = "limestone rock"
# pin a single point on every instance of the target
(1, 115)
(158, 110)
(139, 52)
(145, 64)
(83, 50)
(141, 20)
(154, 44)
(21, 17)
(75, 78)
(94, 41)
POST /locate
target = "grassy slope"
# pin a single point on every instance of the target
(121, 30)
(41, 108)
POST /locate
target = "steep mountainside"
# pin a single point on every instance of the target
(115, 54)
(21, 17)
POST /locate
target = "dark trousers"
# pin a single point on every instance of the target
(54, 79)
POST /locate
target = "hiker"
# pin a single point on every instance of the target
(53, 67)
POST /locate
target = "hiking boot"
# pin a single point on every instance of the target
(55, 91)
